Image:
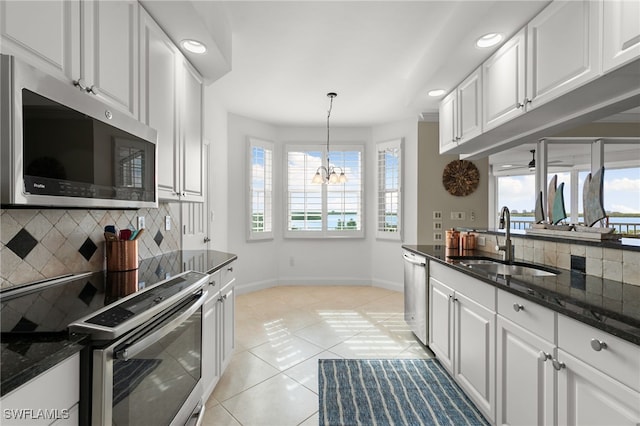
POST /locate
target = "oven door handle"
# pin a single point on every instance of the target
(133, 349)
(195, 419)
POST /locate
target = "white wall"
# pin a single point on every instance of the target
(386, 256)
(216, 134)
(258, 260)
(282, 261)
(337, 262)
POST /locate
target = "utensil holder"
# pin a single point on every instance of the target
(120, 284)
(122, 255)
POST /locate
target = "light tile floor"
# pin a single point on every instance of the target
(281, 333)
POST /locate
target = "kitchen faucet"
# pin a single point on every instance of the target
(508, 246)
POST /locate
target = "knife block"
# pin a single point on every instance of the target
(122, 255)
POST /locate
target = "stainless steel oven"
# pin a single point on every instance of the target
(145, 358)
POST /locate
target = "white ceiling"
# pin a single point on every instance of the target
(381, 57)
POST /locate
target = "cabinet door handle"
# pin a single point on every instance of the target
(527, 101)
(558, 365)
(230, 269)
(544, 356)
(80, 83)
(93, 90)
(518, 307)
(207, 239)
(212, 283)
(598, 345)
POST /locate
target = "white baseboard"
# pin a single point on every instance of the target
(261, 285)
(389, 285)
(255, 286)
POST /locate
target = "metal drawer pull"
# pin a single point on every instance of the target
(598, 345)
(518, 307)
(543, 356)
(558, 365)
(230, 269)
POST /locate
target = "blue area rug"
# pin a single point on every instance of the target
(391, 392)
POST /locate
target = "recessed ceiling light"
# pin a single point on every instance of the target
(437, 92)
(489, 40)
(194, 46)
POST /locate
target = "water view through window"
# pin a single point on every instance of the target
(621, 198)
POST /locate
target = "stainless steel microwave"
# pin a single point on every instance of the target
(62, 147)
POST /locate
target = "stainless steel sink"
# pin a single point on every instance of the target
(499, 268)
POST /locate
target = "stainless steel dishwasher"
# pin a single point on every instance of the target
(416, 294)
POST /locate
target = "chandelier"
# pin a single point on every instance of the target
(328, 174)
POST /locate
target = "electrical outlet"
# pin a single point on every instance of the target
(473, 215)
(140, 222)
(457, 215)
(167, 223)
(437, 226)
(437, 215)
(481, 241)
(437, 236)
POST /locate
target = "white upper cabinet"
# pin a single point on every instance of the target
(448, 122)
(470, 106)
(93, 44)
(109, 56)
(563, 49)
(460, 113)
(503, 81)
(158, 102)
(576, 60)
(621, 44)
(171, 94)
(49, 39)
(191, 133)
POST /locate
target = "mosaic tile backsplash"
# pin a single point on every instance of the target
(40, 244)
(608, 263)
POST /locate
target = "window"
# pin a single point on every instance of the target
(260, 189)
(319, 210)
(389, 189)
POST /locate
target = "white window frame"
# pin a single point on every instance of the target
(268, 147)
(324, 233)
(383, 233)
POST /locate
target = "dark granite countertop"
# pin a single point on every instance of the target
(41, 344)
(609, 305)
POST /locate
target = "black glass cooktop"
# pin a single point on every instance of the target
(121, 312)
(50, 306)
(45, 307)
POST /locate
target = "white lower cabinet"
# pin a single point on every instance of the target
(218, 330)
(441, 322)
(227, 316)
(586, 396)
(52, 396)
(525, 383)
(210, 358)
(524, 364)
(462, 332)
(474, 351)
(599, 377)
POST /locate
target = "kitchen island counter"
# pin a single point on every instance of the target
(611, 306)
